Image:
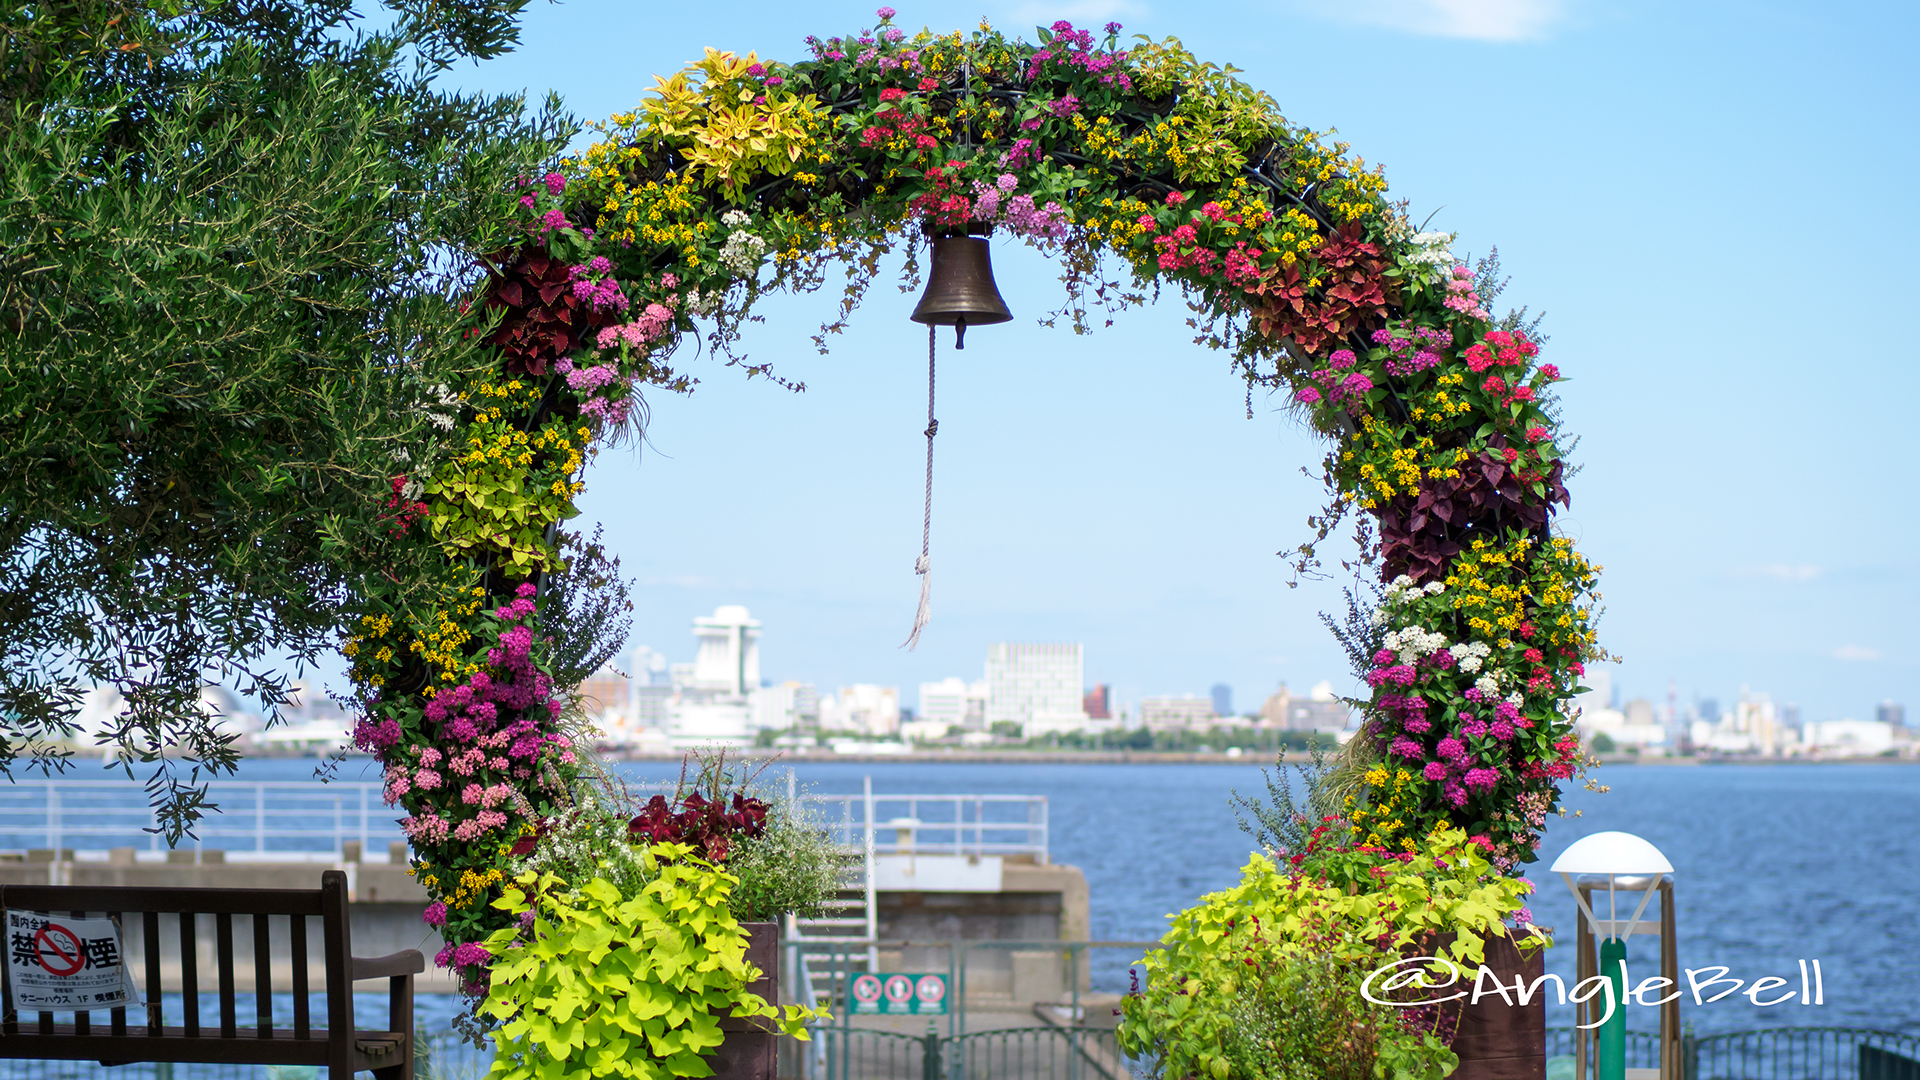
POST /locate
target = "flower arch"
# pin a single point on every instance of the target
(737, 176)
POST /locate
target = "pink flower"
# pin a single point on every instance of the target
(1434, 771)
(555, 182)
(1174, 198)
(886, 13)
(1481, 779)
(436, 914)
(1214, 211)
(470, 954)
(1450, 749)
(1306, 395)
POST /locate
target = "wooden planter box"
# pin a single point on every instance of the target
(1497, 1041)
(748, 1052)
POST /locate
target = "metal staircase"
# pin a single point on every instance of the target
(826, 952)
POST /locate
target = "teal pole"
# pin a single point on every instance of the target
(1611, 1061)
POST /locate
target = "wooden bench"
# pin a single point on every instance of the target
(343, 1050)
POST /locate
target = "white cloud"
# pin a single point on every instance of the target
(1855, 652)
(1786, 572)
(1474, 20)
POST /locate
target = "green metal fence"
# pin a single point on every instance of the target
(1802, 1053)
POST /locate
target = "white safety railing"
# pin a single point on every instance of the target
(1004, 825)
(268, 818)
(288, 818)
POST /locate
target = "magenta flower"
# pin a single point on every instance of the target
(1435, 771)
(1450, 749)
(435, 915)
(1407, 748)
(886, 13)
(1307, 395)
(1482, 779)
(470, 954)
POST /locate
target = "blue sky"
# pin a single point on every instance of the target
(1713, 202)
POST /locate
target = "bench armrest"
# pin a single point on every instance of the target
(406, 962)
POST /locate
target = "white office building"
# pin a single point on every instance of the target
(713, 696)
(953, 702)
(862, 708)
(1038, 687)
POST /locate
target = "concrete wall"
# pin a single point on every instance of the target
(1035, 903)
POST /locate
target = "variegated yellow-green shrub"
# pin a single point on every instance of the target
(1265, 979)
(594, 981)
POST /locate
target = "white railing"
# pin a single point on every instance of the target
(291, 818)
(938, 824)
(268, 818)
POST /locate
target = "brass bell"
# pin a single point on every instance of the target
(960, 290)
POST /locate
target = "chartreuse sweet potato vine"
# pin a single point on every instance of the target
(741, 176)
(605, 983)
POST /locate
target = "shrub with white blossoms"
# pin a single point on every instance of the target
(1433, 251)
(743, 250)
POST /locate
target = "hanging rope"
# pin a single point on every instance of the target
(921, 565)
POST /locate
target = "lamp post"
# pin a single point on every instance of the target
(1617, 863)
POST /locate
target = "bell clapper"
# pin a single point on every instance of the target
(960, 333)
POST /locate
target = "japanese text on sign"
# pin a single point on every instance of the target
(56, 963)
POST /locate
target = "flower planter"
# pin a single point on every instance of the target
(1498, 1041)
(748, 1052)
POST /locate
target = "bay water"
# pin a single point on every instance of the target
(1773, 864)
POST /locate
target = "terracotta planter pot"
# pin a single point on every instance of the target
(1498, 1041)
(748, 1052)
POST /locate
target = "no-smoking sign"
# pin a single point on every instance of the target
(60, 964)
(59, 951)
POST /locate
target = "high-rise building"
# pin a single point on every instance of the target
(1319, 711)
(863, 708)
(1891, 713)
(729, 657)
(1222, 696)
(1037, 687)
(1169, 713)
(1097, 703)
(713, 700)
(954, 702)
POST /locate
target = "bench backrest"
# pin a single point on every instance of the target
(156, 906)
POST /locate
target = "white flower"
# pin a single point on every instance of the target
(1401, 582)
(1379, 617)
(743, 252)
(733, 219)
(1435, 588)
(1516, 699)
(703, 303)
(1470, 663)
(1487, 684)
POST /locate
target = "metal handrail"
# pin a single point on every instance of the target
(296, 816)
(266, 816)
(971, 825)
